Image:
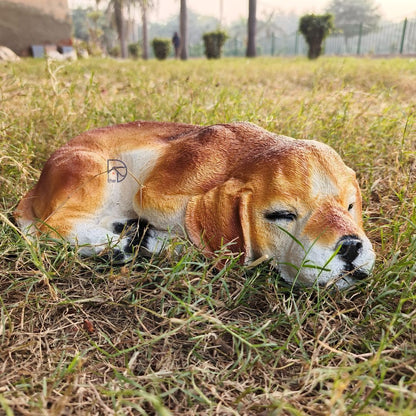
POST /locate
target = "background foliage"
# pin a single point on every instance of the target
(161, 47)
(214, 42)
(315, 28)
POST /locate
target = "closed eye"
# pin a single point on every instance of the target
(280, 215)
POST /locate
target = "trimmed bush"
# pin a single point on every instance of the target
(161, 47)
(315, 28)
(134, 50)
(213, 42)
(114, 51)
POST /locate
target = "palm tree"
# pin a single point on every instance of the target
(145, 5)
(120, 24)
(183, 23)
(251, 42)
(118, 6)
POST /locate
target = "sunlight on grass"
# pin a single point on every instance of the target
(186, 335)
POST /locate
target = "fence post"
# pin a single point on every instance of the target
(296, 42)
(272, 44)
(235, 47)
(403, 36)
(360, 33)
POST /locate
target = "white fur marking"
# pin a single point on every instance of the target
(322, 185)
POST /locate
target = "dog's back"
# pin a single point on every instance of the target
(84, 160)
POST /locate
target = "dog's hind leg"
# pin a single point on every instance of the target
(119, 240)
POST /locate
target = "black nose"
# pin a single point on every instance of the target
(350, 248)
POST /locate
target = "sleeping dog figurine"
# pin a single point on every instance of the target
(264, 195)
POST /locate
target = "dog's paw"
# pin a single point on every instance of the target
(134, 235)
(114, 256)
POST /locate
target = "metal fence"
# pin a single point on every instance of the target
(388, 39)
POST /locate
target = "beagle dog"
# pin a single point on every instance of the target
(264, 195)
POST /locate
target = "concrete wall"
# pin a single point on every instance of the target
(33, 22)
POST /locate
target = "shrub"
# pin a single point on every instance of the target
(161, 47)
(214, 42)
(115, 51)
(134, 50)
(315, 28)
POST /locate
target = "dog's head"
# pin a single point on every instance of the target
(296, 203)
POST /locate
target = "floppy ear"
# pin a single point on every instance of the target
(221, 216)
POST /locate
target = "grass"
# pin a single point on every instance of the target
(176, 336)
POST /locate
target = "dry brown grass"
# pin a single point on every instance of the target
(176, 336)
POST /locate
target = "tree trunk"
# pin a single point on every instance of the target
(251, 41)
(145, 45)
(121, 27)
(315, 50)
(183, 30)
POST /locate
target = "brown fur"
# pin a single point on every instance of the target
(217, 183)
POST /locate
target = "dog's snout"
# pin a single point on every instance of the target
(350, 248)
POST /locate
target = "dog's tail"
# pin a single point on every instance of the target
(23, 214)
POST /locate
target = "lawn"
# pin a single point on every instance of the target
(177, 336)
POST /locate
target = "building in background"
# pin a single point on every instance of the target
(24, 23)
